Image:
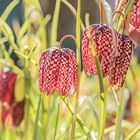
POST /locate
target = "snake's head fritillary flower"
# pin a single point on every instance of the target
(134, 26)
(12, 111)
(105, 49)
(58, 71)
(7, 83)
(12, 114)
(119, 69)
(114, 56)
(17, 112)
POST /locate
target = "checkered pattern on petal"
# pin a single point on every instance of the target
(73, 70)
(63, 75)
(124, 54)
(42, 63)
(103, 40)
(134, 27)
(57, 71)
(135, 13)
(48, 70)
(87, 57)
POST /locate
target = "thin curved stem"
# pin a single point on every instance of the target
(66, 37)
(36, 119)
(119, 116)
(115, 96)
(78, 39)
(102, 99)
(73, 10)
(133, 133)
(56, 124)
(85, 129)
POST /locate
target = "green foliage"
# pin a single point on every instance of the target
(85, 116)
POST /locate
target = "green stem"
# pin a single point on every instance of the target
(73, 10)
(35, 136)
(115, 96)
(125, 12)
(25, 57)
(56, 124)
(119, 116)
(3, 40)
(133, 133)
(118, 8)
(78, 32)
(102, 98)
(102, 103)
(48, 113)
(85, 129)
(27, 92)
(125, 125)
(42, 26)
(37, 118)
(9, 9)
(55, 23)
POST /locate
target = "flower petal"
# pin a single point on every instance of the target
(124, 54)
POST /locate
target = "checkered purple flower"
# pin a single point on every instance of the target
(58, 71)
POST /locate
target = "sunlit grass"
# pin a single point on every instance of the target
(95, 111)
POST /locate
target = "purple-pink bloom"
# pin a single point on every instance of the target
(114, 53)
(58, 71)
(134, 26)
(105, 49)
(12, 111)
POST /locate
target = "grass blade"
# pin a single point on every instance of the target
(36, 119)
(73, 10)
(125, 12)
(8, 9)
(119, 115)
(55, 23)
(78, 39)
(102, 98)
(133, 133)
(56, 124)
(8, 33)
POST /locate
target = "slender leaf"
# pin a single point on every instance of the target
(55, 23)
(8, 9)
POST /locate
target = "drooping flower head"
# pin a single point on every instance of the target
(12, 114)
(7, 83)
(105, 49)
(134, 26)
(58, 71)
(9, 104)
(114, 56)
(119, 68)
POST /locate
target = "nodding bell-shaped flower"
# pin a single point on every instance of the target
(134, 26)
(7, 84)
(119, 68)
(114, 55)
(105, 49)
(58, 71)
(13, 114)
(12, 111)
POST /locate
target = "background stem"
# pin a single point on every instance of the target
(119, 116)
(78, 32)
(56, 124)
(133, 133)
(35, 133)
